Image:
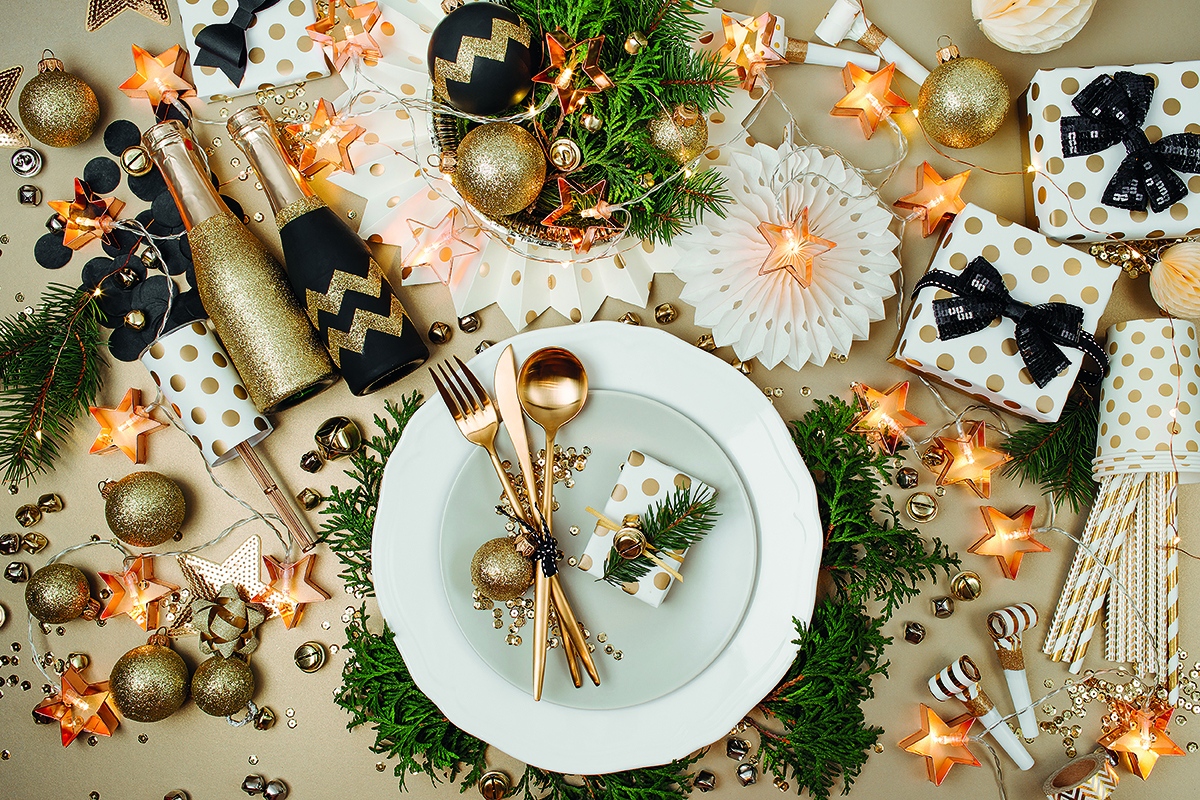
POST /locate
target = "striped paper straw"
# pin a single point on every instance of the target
(1172, 591)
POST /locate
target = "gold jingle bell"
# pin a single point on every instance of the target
(338, 437)
(494, 785)
(629, 541)
(309, 657)
(50, 503)
(966, 586)
(34, 542)
(135, 160)
(28, 515)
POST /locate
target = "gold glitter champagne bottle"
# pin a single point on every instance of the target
(334, 276)
(275, 350)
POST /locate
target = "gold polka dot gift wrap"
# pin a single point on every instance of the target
(986, 365)
(644, 483)
(205, 392)
(1150, 401)
(1174, 108)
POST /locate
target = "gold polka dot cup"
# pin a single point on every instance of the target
(205, 392)
(986, 365)
(1150, 401)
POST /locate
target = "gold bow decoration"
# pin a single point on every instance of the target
(227, 623)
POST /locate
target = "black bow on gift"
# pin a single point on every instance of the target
(981, 297)
(1113, 108)
(223, 45)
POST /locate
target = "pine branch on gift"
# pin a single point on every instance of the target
(672, 526)
(1058, 455)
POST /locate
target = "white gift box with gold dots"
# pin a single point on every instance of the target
(986, 364)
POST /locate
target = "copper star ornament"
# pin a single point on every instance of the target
(1008, 539)
(1142, 738)
(436, 247)
(943, 744)
(883, 415)
(88, 216)
(293, 587)
(345, 32)
(125, 427)
(869, 97)
(568, 58)
(11, 134)
(793, 248)
(590, 207)
(968, 460)
(101, 12)
(159, 78)
(326, 140)
(747, 47)
(80, 707)
(134, 593)
(935, 199)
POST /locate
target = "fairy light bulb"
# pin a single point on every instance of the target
(952, 740)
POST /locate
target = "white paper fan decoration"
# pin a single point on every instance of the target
(1031, 26)
(773, 317)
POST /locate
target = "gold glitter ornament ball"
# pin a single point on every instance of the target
(143, 509)
(149, 683)
(963, 101)
(500, 168)
(500, 571)
(56, 107)
(57, 593)
(223, 686)
(681, 135)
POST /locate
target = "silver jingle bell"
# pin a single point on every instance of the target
(747, 774)
(254, 784)
(276, 790)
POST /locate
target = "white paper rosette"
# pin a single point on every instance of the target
(772, 317)
(1031, 26)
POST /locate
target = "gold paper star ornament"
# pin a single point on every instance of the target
(1008, 538)
(793, 248)
(101, 12)
(935, 199)
(11, 134)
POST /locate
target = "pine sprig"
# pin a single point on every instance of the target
(51, 366)
(1058, 455)
(674, 524)
(667, 782)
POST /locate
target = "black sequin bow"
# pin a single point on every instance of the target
(223, 45)
(981, 296)
(1112, 109)
(545, 546)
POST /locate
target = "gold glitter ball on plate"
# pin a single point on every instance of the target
(499, 571)
(501, 168)
(680, 136)
(143, 509)
(57, 593)
(222, 686)
(963, 101)
(56, 107)
(149, 683)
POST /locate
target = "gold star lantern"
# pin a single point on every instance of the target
(869, 97)
(80, 707)
(345, 32)
(943, 744)
(747, 46)
(935, 199)
(793, 248)
(567, 59)
(967, 460)
(1008, 539)
(436, 247)
(326, 140)
(1140, 736)
(159, 78)
(135, 592)
(87, 217)
(292, 587)
(125, 427)
(594, 213)
(883, 415)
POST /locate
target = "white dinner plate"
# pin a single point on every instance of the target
(406, 554)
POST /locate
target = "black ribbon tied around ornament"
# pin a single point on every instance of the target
(223, 45)
(981, 297)
(1112, 109)
(545, 546)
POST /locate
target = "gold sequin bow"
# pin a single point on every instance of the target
(227, 623)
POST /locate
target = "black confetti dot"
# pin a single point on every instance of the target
(120, 135)
(50, 251)
(102, 174)
(126, 344)
(165, 210)
(147, 186)
(124, 242)
(176, 263)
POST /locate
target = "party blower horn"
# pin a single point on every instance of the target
(846, 19)
(961, 679)
(206, 393)
(1005, 626)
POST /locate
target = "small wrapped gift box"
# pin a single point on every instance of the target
(1113, 149)
(988, 364)
(644, 483)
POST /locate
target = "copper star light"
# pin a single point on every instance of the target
(101, 12)
(567, 59)
(435, 247)
(241, 568)
(1008, 538)
(793, 248)
(968, 460)
(884, 415)
(11, 134)
(125, 427)
(935, 199)
(87, 217)
(747, 46)
(134, 593)
(1141, 737)
(326, 140)
(869, 97)
(943, 744)
(293, 587)
(590, 207)
(80, 707)
(345, 32)
(159, 78)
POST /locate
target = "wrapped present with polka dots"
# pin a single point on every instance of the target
(645, 482)
(991, 284)
(1113, 151)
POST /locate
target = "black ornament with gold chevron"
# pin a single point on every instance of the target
(480, 59)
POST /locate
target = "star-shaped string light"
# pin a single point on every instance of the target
(80, 707)
(588, 204)
(1140, 737)
(747, 46)
(101, 12)
(943, 744)
(87, 217)
(568, 58)
(326, 140)
(159, 78)
(134, 593)
(968, 460)
(125, 427)
(293, 587)
(869, 97)
(793, 248)
(1008, 538)
(346, 35)
(883, 415)
(435, 247)
(11, 134)
(935, 199)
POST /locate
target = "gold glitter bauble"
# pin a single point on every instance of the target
(674, 138)
(500, 571)
(143, 509)
(56, 107)
(222, 686)
(57, 593)
(501, 168)
(149, 683)
(963, 102)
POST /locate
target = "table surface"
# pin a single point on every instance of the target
(318, 757)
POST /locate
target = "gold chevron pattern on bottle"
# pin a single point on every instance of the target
(331, 302)
(472, 47)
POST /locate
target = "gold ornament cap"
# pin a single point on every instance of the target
(49, 63)
(947, 53)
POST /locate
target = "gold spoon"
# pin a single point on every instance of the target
(553, 387)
